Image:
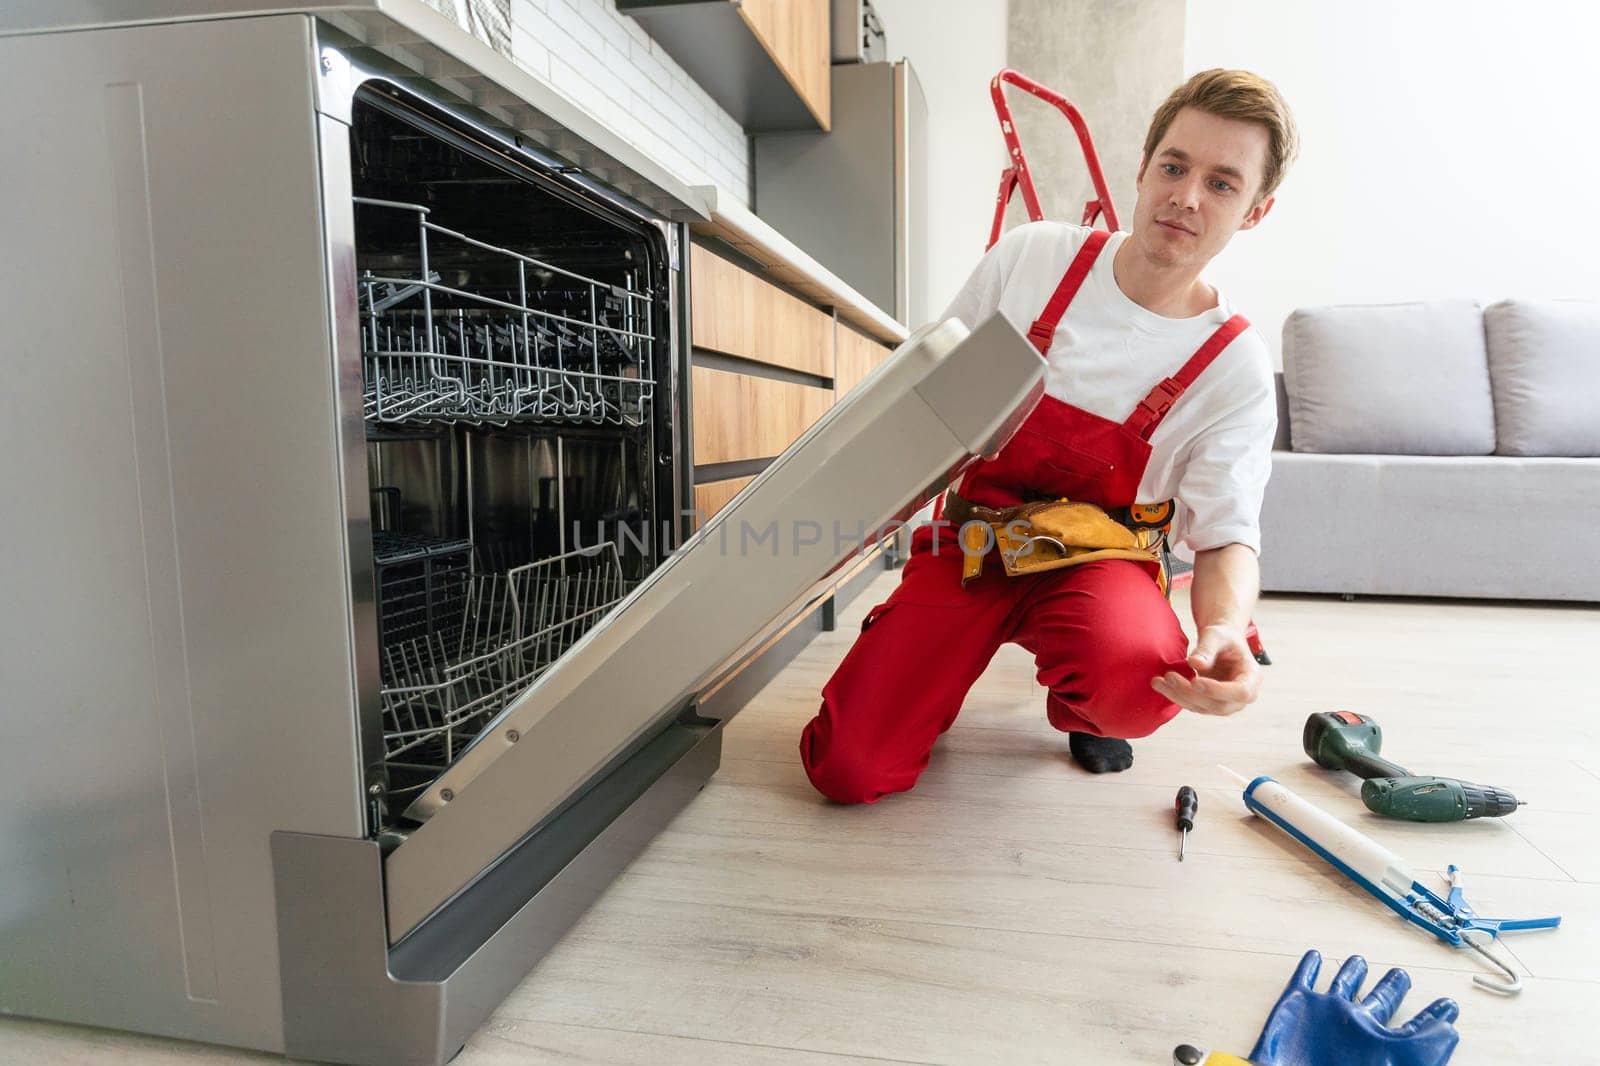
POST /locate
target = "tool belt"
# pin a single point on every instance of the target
(1052, 533)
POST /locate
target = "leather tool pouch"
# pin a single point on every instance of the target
(1051, 534)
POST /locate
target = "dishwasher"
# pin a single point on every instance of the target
(355, 625)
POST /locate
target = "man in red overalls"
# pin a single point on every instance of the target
(1154, 390)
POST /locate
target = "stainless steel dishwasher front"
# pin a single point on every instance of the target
(179, 638)
(190, 637)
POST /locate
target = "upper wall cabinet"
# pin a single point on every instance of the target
(765, 62)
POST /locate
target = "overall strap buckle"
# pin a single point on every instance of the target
(1040, 334)
(1154, 407)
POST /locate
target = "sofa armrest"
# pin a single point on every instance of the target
(1280, 443)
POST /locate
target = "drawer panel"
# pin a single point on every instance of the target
(736, 313)
(856, 357)
(737, 416)
(712, 496)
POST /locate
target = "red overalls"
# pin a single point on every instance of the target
(1098, 631)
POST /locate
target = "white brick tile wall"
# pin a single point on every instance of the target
(696, 93)
(605, 20)
(636, 31)
(726, 171)
(581, 29)
(531, 55)
(579, 87)
(667, 106)
(617, 62)
(599, 75)
(644, 58)
(728, 123)
(605, 63)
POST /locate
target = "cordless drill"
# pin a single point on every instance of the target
(1343, 740)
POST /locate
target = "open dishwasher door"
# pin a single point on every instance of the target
(944, 397)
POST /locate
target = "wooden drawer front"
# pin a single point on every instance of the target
(741, 417)
(713, 496)
(796, 33)
(736, 313)
(856, 357)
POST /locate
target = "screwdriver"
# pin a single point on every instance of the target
(1186, 806)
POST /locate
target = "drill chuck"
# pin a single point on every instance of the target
(1486, 801)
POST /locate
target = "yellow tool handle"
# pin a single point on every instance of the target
(1189, 1055)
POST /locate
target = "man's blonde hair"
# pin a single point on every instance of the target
(1235, 94)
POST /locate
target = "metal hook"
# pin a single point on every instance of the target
(1510, 988)
(1026, 545)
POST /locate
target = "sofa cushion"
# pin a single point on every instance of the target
(1544, 363)
(1281, 441)
(1426, 525)
(1390, 379)
(1516, 528)
(1316, 521)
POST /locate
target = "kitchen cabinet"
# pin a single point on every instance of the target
(765, 62)
(741, 416)
(796, 33)
(767, 366)
(712, 496)
(855, 356)
(736, 313)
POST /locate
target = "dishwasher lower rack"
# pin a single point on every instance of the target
(439, 689)
(529, 342)
(421, 584)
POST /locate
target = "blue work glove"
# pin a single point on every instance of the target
(1331, 1028)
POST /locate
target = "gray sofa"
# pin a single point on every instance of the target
(1438, 449)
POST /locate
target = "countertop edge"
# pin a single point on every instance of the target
(731, 222)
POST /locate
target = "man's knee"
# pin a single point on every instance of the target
(1142, 714)
(1112, 690)
(1126, 716)
(842, 772)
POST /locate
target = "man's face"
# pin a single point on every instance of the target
(1199, 189)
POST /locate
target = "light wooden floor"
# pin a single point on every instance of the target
(1013, 909)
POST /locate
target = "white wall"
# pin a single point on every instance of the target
(955, 46)
(1080, 48)
(1448, 150)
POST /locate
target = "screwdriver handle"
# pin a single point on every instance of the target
(1186, 805)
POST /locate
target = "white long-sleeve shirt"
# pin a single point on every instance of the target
(1213, 451)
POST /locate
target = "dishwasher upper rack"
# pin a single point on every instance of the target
(439, 689)
(501, 359)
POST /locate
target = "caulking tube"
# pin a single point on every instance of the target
(1353, 853)
(1383, 874)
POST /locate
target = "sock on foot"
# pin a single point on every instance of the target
(1100, 755)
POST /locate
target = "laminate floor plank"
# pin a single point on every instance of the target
(962, 995)
(1020, 887)
(1130, 815)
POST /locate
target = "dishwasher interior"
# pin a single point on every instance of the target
(517, 424)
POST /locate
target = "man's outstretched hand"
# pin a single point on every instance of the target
(1227, 678)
